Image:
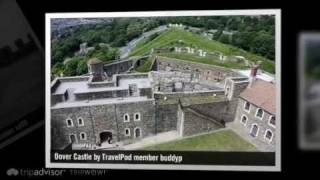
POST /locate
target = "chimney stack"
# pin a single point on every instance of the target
(253, 73)
(95, 69)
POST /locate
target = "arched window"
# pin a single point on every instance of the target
(268, 135)
(259, 113)
(126, 131)
(244, 119)
(80, 121)
(69, 122)
(83, 136)
(126, 118)
(73, 138)
(137, 132)
(272, 121)
(247, 106)
(226, 92)
(137, 117)
(254, 130)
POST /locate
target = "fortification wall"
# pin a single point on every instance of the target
(117, 67)
(166, 117)
(216, 110)
(102, 118)
(102, 94)
(194, 124)
(205, 72)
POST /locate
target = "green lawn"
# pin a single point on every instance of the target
(170, 38)
(146, 66)
(225, 140)
(204, 60)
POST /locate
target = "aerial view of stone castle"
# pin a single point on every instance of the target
(170, 83)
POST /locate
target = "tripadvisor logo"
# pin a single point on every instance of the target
(35, 172)
(12, 172)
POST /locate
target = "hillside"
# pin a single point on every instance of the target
(171, 37)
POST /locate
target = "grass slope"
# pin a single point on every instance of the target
(204, 60)
(170, 36)
(225, 140)
(146, 66)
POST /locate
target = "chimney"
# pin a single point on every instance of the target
(253, 74)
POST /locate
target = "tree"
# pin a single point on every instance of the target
(217, 34)
(71, 67)
(57, 69)
(133, 30)
(263, 44)
(224, 38)
(82, 67)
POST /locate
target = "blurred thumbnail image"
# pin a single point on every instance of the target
(21, 73)
(309, 81)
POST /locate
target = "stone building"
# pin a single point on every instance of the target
(118, 109)
(255, 117)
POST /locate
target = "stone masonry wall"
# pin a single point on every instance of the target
(206, 73)
(102, 118)
(194, 124)
(263, 124)
(217, 110)
(166, 117)
(117, 68)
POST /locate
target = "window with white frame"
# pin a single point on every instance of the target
(126, 118)
(268, 135)
(137, 117)
(254, 130)
(244, 119)
(259, 113)
(137, 132)
(127, 132)
(73, 138)
(80, 121)
(69, 122)
(247, 106)
(83, 136)
(272, 121)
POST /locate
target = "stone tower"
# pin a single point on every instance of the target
(95, 69)
(234, 86)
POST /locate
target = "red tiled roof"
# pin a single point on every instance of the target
(261, 94)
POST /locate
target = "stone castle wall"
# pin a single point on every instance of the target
(102, 118)
(244, 129)
(166, 117)
(194, 124)
(204, 72)
(117, 67)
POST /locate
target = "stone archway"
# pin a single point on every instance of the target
(138, 63)
(105, 136)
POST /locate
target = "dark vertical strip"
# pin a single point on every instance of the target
(93, 124)
(115, 113)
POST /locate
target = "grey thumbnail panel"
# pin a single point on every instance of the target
(21, 71)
